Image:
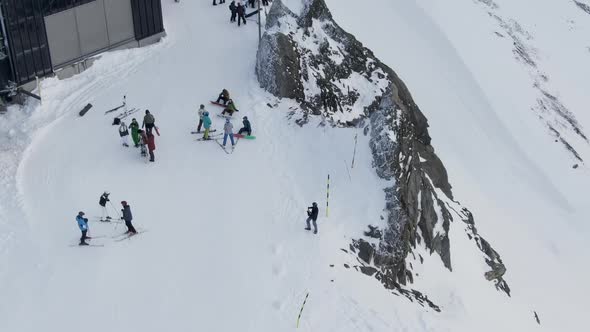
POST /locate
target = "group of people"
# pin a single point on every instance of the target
(228, 127)
(238, 10)
(103, 200)
(143, 139)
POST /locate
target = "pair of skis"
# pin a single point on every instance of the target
(116, 238)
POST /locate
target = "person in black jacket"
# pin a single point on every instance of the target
(312, 215)
(128, 217)
(104, 198)
(234, 11)
(241, 13)
(247, 127)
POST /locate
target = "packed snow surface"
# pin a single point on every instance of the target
(224, 247)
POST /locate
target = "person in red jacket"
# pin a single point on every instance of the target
(151, 143)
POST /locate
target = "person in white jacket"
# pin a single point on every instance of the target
(124, 133)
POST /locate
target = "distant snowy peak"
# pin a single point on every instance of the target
(560, 121)
(309, 58)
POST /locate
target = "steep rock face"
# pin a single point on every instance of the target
(311, 59)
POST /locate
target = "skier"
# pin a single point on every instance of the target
(201, 111)
(124, 133)
(148, 121)
(104, 198)
(230, 108)
(83, 225)
(151, 144)
(312, 215)
(234, 11)
(247, 128)
(224, 95)
(241, 13)
(143, 139)
(207, 124)
(134, 132)
(228, 129)
(128, 217)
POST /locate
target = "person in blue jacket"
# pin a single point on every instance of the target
(83, 225)
(128, 217)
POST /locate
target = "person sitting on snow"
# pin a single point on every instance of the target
(230, 108)
(224, 95)
(247, 128)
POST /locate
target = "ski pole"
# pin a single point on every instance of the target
(117, 212)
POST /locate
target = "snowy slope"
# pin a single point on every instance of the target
(225, 248)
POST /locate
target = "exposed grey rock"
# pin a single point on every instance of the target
(583, 6)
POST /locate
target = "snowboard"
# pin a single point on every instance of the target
(252, 13)
(85, 109)
(202, 132)
(224, 116)
(218, 104)
(244, 136)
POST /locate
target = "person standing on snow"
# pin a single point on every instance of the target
(230, 108)
(224, 95)
(148, 121)
(201, 111)
(142, 142)
(234, 11)
(151, 145)
(104, 198)
(124, 133)
(241, 13)
(83, 225)
(247, 128)
(135, 132)
(206, 124)
(127, 216)
(312, 215)
(228, 130)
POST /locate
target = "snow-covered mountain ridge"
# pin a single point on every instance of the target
(309, 58)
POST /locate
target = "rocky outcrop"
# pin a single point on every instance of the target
(311, 59)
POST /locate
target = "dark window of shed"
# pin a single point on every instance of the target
(54, 6)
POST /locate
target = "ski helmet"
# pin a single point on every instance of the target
(80, 213)
(147, 111)
(106, 193)
(206, 113)
(245, 118)
(202, 106)
(123, 203)
(226, 119)
(314, 204)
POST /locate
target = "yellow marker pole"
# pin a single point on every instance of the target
(301, 311)
(328, 198)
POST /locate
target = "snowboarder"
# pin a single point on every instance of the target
(230, 108)
(228, 129)
(206, 124)
(83, 225)
(201, 111)
(104, 198)
(234, 11)
(151, 144)
(241, 13)
(127, 217)
(224, 95)
(247, 128)
(148, 121)
(143, 139)
(135, 132)
(124, 133)
(312, 215)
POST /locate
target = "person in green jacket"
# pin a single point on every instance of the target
(230, 108)
(134, 126)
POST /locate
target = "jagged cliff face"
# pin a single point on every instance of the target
(309, 58)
